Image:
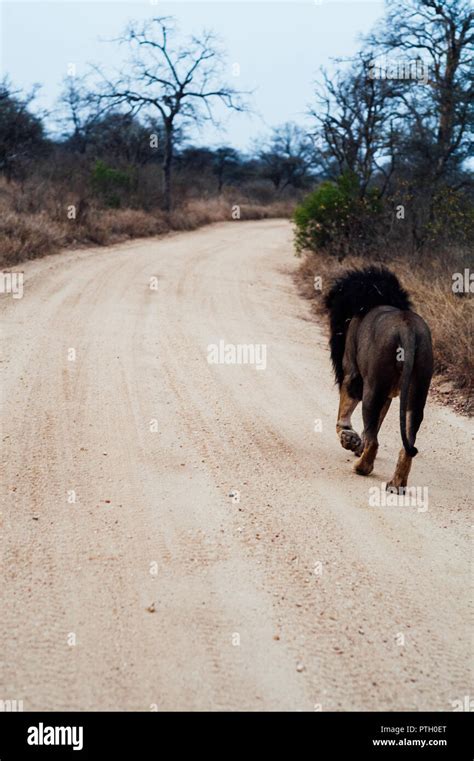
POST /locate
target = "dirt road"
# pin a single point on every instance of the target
(155, 589)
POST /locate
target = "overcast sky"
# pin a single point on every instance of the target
(278, 45)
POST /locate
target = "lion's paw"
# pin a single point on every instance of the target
(350, 440)
(363, 468)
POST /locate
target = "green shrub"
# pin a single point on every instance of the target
(335, 218)
(109, 183)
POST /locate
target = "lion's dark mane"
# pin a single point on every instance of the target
(356, 293)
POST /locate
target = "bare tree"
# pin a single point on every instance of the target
(287, 156)
(435, 113)
(78, 113)
(182, 82)
(440, 107)
(355, 129)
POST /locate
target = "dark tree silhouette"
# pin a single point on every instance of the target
(225, 162)
(286, 157)
(22, 136)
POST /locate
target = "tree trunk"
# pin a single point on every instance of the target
(220, 181)
(447, 103)
(167, 161)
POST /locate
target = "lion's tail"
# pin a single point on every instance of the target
(408, 342)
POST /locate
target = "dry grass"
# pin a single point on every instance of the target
(35, 224)
(106, 226)
(27, 236)
(449, 315)
(202, 212)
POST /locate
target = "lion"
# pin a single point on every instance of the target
(380, 349)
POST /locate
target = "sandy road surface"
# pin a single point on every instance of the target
(176, 595)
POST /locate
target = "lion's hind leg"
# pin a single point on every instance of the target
(349, 438)
(374, 408)
(416, 403)
(399, 479)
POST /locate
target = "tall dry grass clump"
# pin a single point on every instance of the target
(27, 236)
